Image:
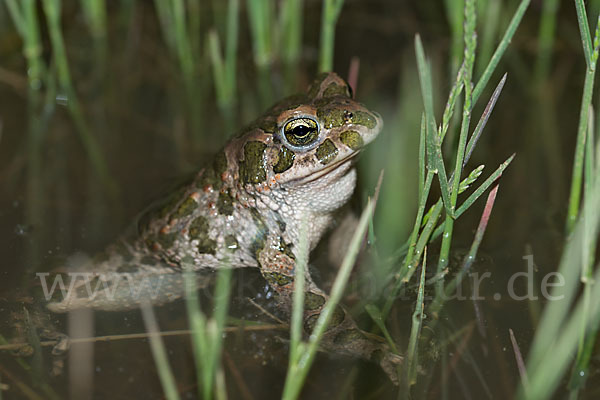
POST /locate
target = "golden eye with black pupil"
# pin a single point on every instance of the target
(301, 132)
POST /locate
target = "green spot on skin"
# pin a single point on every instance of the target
(266, 124)
(258, 242)
(326, 152)
(220, 163)
(210, 178)
(286, 249)
(313, 301)
(315, 86)
(285, 160)
(231, 243)
(364, 118)
(166, 240)
(336, 319)
(169, 204)
(275, 278)
(282, 225)
(336, 90)
(225, 203)
(331, 117)
(348, 336)
(257, 245)
(198, 227)
(199, 230)
(251, 168)
(186, 208)
(352, 139)
(207, 246)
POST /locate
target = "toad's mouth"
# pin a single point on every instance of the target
(339, 167)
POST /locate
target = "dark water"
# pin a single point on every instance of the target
(135, 106)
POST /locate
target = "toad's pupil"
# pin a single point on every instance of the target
(302, 130)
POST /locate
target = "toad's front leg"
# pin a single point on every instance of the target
(342, 336)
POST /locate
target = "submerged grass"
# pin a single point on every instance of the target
(159, 353)
(52, 10)
(207, 334)
(24, 17)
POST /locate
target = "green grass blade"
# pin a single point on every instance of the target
(438, 302)
(195, 25)
(298, 298)
(435, 160)
(489, 27)
(207, 335)
(297, 373)
(231, 46)
(291, 30)
(417, 322)
(560, 326)
(455, 92)
(159, 353)
(260, 17)
(584, 31)
(424, 238)
(413, 250)
(224, 68)
(165, 18)
(491, 67)
(587, 337)
(182, 43)
(379, 320)
(197, 323)
(422, 159)
(483, 120)
(483, 187)
(454, 11)
(216, 325)
(95, 15)
(468, 63)
(546, 36)
(90, 144)
(218, 69)
(425, 81)
(16, 15)
(546, 368)
(586, 101)
(330, 13)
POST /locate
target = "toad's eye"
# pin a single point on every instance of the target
(301, 132)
